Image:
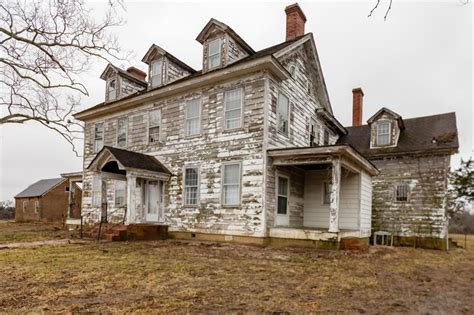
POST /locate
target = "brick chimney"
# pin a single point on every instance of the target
(295, 20)
(137, 73)
(357, 98)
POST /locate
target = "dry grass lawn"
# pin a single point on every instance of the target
(172, 276)
(12, 232)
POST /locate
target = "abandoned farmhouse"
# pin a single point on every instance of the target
(248, 149)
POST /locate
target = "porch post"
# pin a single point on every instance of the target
(131, 183)
(335, 189)
(69, 207)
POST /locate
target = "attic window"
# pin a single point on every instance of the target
(111, 89)
(383, 133)
(155, 73)
(214, 53)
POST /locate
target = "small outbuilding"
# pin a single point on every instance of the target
(46, 200)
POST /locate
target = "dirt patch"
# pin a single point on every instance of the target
(172, 276)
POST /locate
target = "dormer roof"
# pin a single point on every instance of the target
(155, 50)
(395, 116)
(224, 28)
(114, 69)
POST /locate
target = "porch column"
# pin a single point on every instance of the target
(335, 189)
(69, 207)
(131, 184)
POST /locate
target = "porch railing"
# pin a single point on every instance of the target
(105, 219)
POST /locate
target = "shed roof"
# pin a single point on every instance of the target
(40, 188)
(421, 135)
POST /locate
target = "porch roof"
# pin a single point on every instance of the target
(128, 160)
(349, 156)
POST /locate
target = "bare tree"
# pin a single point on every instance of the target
(44, 48)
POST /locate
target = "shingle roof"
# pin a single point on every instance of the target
(417, 136)
(130, 159)
(40, 187)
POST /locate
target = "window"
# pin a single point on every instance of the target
(25, 205)
(66, 189)
(282, 207)
(154, 125)
(312, 132)
(282, 113)
(37, 206)
(120, 193)
(326, 193)
(326, 137)
(96, 191)
(111, 89)
(231, 184)
(98, 136)
(383, 133)
(155, 73)
(401, 191)
(191, 186)
(233, 109)
(193, 114)
(214, 53)
(122, 125)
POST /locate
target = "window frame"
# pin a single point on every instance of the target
(326, 137)
(186, 118)
(407, 192)
(118, 204)
(219, 53)
(198, 187)
(109, 81)
(313, 126)
(278, 116)
(117, 132)
(388, 134)
(96, 149)
(223, 184)
(160, 123)
(24, 206)
(278, 176)
(327, 194)
(152, 64)
(242, 102)
(37, 206)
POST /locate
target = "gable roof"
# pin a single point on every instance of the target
(397, 117)
(225, 28)
(426, 134)
(130, 159)
(157, 49)
(111, 67)
(40, 188)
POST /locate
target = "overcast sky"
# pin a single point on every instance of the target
(417, 63)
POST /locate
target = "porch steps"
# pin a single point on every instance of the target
(136, 232)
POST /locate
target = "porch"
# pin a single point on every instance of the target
(319, 194)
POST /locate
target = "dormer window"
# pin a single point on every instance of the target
(111, 89)
(383, 133)
(214, 54)
(155, 72)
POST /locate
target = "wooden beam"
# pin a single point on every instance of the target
(335, 191)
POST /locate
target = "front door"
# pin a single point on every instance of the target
(154, 201)
(282, 217)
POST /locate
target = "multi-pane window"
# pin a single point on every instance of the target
(120, 193)
(96, 191)
(98, 136)
(37, 206)
(112, 89)
(326, 137)
(401, 191)
(191, 185)
(326, 193)
(214, 53)
(25, 205)
(122, 132)
(231, 184)
(193, 114)
(312, 133)
(283, 113)
(155, 72)
(282, 195)
(154, 125)
(383, 133)
(233, 109)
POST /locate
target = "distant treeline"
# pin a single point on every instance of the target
(7, 210)
(462, 223)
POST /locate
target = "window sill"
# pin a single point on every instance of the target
(234, 130)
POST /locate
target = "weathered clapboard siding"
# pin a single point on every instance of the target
(349, 206)
(424, 212)
(233, 51)
(208, 151)
(127, 87)
(316, 213)
(365, 203)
